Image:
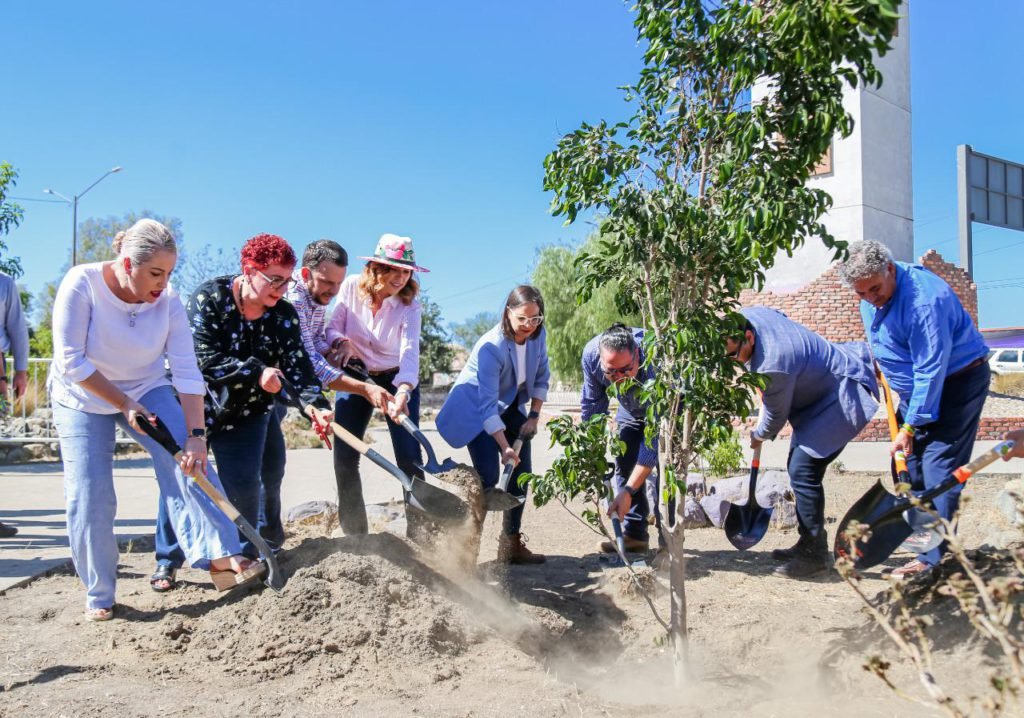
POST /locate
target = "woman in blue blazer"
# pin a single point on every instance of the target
(486, 409)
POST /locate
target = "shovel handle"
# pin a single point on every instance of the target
(506, 474)
(890, 414)
(996, 452)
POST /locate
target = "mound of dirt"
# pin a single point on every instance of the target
(351, 603)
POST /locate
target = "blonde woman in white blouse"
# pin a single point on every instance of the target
(113, 325)
(377, 318)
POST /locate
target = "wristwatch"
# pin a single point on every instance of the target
(533, 415)
(199, 433)
(630, 490)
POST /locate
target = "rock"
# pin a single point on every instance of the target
(38, 451)
(313, 512)
(696, 485)
(17, 455)
(1009, 502)
(1002, 539)
(773, 490)
(694, 516)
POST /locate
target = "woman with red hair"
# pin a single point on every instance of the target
(246, 338)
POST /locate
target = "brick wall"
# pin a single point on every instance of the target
(832, 310)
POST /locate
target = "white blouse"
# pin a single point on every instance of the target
(94, 331)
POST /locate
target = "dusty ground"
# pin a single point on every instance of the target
(366, 626)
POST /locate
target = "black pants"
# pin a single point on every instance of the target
(805, 476)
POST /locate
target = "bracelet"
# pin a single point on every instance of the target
(533, 415)
(907, 428)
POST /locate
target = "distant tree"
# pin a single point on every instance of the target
(195, 267)
(11, 215)
(556, 276)
(469, 330)
(436, 352)
(95, 237)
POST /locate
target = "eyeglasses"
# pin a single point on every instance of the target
(278, 282)
(528, 321)
(735, 353)
(613, 372)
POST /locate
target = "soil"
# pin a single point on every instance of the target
(375, 625)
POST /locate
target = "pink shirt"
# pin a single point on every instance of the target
(390, 339)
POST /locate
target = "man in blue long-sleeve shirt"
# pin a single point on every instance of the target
(934, 357)
(612, 357)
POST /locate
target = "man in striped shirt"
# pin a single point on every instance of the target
(324, 265)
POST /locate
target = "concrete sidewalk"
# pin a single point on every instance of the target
(33, 497)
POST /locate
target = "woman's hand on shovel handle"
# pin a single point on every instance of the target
(193, 457)
(620, 506)
(134, 412)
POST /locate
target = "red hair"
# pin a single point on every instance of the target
(265, 249)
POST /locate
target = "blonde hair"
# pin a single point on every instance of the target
(142, 240)
(371, 281)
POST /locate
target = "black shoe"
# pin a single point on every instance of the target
(7, 531)
(804, 566)
(788, 554)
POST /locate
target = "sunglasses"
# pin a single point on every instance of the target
(616, 371)
(277, 282)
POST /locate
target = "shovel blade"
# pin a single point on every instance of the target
(878, 509)
(435, 501)
(745, 526)
(497, 500)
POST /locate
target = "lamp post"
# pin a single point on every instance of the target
(74, 211)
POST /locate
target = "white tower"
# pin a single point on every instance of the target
(868, 173)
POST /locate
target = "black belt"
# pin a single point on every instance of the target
(382, 372)
(974, 364)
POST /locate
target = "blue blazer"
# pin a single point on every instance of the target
(826, 391)
(486, 387)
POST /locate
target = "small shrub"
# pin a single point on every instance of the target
(1010, 384)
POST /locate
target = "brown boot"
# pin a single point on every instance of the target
(512, 549)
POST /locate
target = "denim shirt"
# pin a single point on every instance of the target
(919, 337)
(594, 395)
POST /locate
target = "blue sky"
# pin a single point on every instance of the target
(344, 120)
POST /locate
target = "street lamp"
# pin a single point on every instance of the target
(74, 211)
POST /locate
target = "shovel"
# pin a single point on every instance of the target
(498, 498)
(356, 369)
(161, 434)
(620, 541)
(420, 494)
(884, 513)
(878, 499)
(746, 525)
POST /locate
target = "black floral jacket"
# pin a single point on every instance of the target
(233, 352)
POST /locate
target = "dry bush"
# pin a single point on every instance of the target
(1009, 384)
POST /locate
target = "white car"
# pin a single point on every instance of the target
(1006, 361)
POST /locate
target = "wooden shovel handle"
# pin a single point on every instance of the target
(349, 438)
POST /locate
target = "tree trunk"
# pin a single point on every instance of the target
(674, 540)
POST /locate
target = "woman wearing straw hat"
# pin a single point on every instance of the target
(377, 318)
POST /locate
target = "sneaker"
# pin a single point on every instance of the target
(633, 545)
(7, 531)
(911, 569)
(512, 549)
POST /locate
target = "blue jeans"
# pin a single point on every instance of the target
(87, 450)
(353, 412)
(486, 457)
(946, 444)
(271, 472)
(634, 524)
(805, 476)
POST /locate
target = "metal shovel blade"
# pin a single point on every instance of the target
(745, 525)
(883, 513)
(435, 501)
(497, 498)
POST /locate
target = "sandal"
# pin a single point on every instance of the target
(99, 614)
(227, 579)
(163, 579)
